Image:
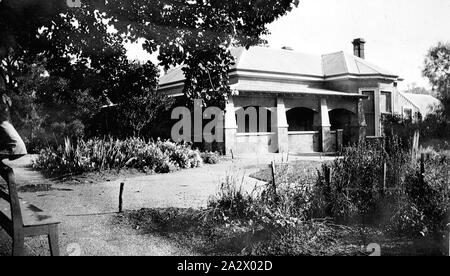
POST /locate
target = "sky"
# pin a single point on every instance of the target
(398, 32)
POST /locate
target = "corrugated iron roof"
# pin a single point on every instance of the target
(342, 63)
(426, 103)
(289, 88)
(279, 61)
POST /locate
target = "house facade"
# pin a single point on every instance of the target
(303, 103)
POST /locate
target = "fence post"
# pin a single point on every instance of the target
(339, 140)
(274, 185)
(327, 175)
(384, 177)
(448, 226)
(120, 196)
(422, 169)
(415, 145)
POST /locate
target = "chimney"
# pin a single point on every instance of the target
(358, 47)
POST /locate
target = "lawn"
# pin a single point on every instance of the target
(297, 169)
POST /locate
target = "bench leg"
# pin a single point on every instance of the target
(53, 241)
(18, 244)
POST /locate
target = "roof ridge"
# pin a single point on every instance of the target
(344, 55)
(333, 53)
(366, 63)
(408, 100)
(322, 63)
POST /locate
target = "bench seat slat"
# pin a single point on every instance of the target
(6, 223)
(4, 195)
(31, 215)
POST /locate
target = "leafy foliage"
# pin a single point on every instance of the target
(434, 126)
(356, 192)
(98, 155)
(210, 157)
(306, 204)
(62, 64)
(437, 70)
(262, 226)
(197, 34)
(428, 200)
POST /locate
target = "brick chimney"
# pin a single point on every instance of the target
(358, 47)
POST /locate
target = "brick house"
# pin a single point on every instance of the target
(314, 103)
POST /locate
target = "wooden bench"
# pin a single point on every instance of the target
(21, 219)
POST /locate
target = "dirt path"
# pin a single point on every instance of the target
(87, 211)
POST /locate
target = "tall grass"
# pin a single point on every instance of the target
(406, 204)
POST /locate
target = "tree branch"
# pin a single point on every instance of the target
(2, 74)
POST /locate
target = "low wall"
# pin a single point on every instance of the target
(304, 141)
(256, 143)
(332, 142)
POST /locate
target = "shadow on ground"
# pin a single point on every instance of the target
(188, 227)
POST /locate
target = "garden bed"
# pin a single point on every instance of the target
(79, 157)
(196, 230)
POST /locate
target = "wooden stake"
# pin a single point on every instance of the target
(415, 145)
(274, 185)
(328, 175)
(448, 225)
(422, 168)
(120, 196)
(384, 177)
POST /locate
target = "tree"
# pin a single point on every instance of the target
(84, 60)
(73, 47)
(414, 89)
(80, 60)
(437, 70)
(138, 103)
(197, 34)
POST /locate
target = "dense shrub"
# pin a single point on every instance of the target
(275, 227)
(425, 208)
(433, 127)
(98, 155)
(407, 204)
(356, 191)
(210, 157)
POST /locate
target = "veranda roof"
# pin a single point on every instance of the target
(287, 88)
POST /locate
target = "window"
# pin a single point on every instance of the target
(369, 103)
(369, 110)
(386, 102)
